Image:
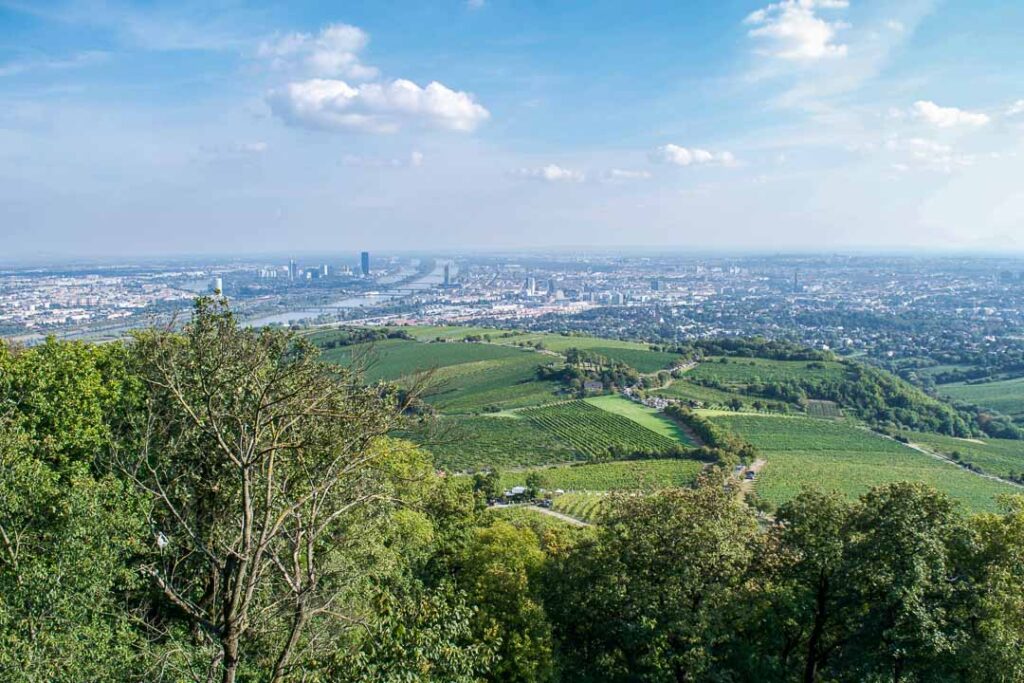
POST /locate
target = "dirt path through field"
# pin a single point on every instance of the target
(559, 515)
(932, 454)
(747, 485)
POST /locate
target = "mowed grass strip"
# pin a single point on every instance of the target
(646, 417)
(835, 455)
(594, 432)
(1000, 457)
(1006, 396)
(463, 443)
(612, 476)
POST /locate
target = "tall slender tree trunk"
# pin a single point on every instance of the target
(814, 640)
(284, 658)
(230, 658)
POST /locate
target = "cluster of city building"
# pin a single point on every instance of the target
(878, 305)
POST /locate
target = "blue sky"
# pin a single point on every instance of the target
(184, 127)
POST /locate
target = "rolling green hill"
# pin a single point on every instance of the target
(494, 411)
(1006, 396)
(1001, 457)
(834, 455)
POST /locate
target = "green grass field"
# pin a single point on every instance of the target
(1006, 396)
(397, 358)
(1000, 457)
(563, 342)
(503, 383)
(462, 443)
(642, 415)
(742, 371)
(585, 506)
(612, 476)
(466, 377)
(593, 431)
(833, 455)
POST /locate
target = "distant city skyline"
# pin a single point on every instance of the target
(132, 129)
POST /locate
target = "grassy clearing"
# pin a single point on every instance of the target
(743, 371)
(612, 476)
(1006, 396)
(493, 441)
(1000, 457)
(594, 432)
(834, 455)
(642, 415)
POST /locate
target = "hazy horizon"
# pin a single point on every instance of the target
(132, 130)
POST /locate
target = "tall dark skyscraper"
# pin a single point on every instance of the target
(293, 270)
(447, 274)
(364, 262)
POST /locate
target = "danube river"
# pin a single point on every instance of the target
(429, 281)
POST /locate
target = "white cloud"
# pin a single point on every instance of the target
(927, 154)
(1016, 108)
(947, 117)
(258, 147)
(375, 107)
(414, 159)
(895, 25)
(475, 4)
(683, 156)
(793, 31)
(552, 173)
(619, 174)
(76, 61)
(332, 52)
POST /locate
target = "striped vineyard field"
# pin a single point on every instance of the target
(583, 506)
(593, 432)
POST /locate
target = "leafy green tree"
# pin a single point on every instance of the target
(500, 570)
(66, 542)
(994, 651)
(654, 596)
(534, 483)
(801, 624)
(904, 585)
(272, 481)
(488, 484)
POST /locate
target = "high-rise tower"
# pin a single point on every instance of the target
(364, 263)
